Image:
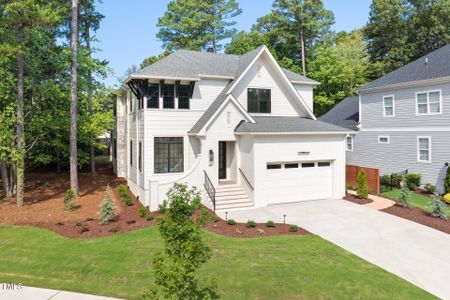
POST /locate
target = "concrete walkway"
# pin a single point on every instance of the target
(31, 293)
(410, 250)
(378, 203)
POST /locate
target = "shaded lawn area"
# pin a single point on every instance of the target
(102, 159)
(417, 200)
(281, 267)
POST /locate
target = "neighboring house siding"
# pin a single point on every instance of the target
(405, 109)
(261, 75)
(401, 153)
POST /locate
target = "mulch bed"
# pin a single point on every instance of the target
(354, 199)
(420, 216)
(44, 208)
(423, 193)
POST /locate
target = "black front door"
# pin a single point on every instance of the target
(222, 160)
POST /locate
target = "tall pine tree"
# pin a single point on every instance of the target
(197, 25)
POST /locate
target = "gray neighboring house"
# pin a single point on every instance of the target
(404, 119)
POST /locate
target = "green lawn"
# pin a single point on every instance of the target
(283, 267)
(102, 160)
(417, 200)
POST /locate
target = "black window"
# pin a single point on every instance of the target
(131, 153)
(140, 156)
(291, 166)
(153, 95)
(258, 101)
(169, 96)
(169, 153)
(131, 102)
(308, 165)
(273, 166)
(115, 148)
(183, 96)
(323, 164)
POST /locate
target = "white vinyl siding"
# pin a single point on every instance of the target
(388, 106)
(428, 103)
(424, 149)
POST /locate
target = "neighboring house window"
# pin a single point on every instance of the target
(349, 143)
(183, 96)
(140, 157)
(169, 96)
(258, 100)
(383, 140)
(153, 95)
(131, 153)
(388, 106)
(115, 148)
(424, 149)
(428, 103)
(169, 154)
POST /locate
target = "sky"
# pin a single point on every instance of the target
(128, 32)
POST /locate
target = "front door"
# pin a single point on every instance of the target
(222, 160)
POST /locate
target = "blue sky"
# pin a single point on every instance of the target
(128, 33)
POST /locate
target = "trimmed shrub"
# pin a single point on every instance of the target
(446, 198)
(122, 189)
(447, 181)
(251, 224)
(270, 223)
(163, 207)
(393, 180)
(293, 228)
(231, 222)
(405, 195)
(438, 209)
(385, 180)
(413, 180)
(108, 210)
(69, 197)
(215, 219)
(362, 188)
(429, 188)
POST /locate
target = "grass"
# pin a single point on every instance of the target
(102, 159)
(417, 200)
(283, 267)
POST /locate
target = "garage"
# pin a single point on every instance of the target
(299, 181)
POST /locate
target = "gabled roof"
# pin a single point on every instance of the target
(193, 65)
(433, 65)
(344, 114)
(287, 125)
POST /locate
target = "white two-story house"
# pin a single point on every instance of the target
(403, 120)
(240, 128)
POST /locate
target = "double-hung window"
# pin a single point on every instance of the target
(140, 157)
(258, 100)
(429, 103)
(183, 96)
(169, 96)
(388, 106)
(349, 143)
(424, 149)
(169, 155)
(153, 95)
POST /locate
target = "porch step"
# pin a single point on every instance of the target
(225, 197)
(227, 206)
(232, 196)
(229, 188)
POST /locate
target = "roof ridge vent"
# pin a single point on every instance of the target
(426, 60)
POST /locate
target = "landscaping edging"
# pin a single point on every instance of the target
(354, 199)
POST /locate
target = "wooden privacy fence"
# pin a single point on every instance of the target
(373, 177)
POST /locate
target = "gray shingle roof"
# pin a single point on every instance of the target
(344, 114)
(433, 65)
(191, 64)
(287, 124)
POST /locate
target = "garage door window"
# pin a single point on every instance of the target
(291, 166)
(273, 166)
(308, 165)
(324, 164)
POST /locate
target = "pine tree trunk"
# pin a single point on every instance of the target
(5, 180)
(74, 99)
(20, 164)
(89, 92)
(302, 45)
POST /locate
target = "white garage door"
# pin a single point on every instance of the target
(299, 181)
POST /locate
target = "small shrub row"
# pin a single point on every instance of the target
(412, 180)
(145, 213)
(252, 224)
(122, 189)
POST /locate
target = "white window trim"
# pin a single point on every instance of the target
(346, 143)
(429, 149)
(386, 137)
(393, 106)
(428, 103)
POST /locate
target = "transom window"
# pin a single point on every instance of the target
(169, 155)
(428, 103)
(388, 106)
(183, 96)
(383, 140)
(153, 95)
(424, 149)
(258, 100)
(349, 143)
(169, 96)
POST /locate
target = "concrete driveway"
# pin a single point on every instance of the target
(412, 251)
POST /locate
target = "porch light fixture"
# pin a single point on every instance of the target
(211, 157)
